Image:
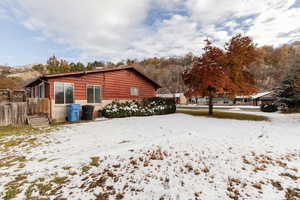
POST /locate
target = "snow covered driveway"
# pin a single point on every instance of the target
(159, 157)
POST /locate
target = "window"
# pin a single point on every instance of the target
(64, 93)
(93, 93)
(41, 90)
(134, 91)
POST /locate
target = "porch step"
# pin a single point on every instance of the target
(38, 121)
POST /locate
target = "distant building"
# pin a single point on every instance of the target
(243, 100)
(257, 99)
(178, 97)
(267, 97)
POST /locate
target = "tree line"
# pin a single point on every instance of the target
(269, 67)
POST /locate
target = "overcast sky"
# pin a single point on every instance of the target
(114, 30)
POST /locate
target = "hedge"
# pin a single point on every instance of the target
(147, 107)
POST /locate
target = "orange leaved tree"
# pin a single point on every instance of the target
(220, 71)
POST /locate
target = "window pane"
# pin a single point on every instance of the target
(69, 93)
(97, 94)
(90, 94)
(134, 91)
(59, 93)
(42, 90)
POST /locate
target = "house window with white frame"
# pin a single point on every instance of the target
(134, 91)
(64, 93)
(93, 93)
(41, 90)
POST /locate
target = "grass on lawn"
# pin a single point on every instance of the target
(225, 115)
(23, 130)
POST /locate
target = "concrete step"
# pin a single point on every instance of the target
(38, 121)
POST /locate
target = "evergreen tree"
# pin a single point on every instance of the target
(289, 90)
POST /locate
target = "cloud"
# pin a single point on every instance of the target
(277, 26)
(175, 36)
(116, 30)
(215, 11)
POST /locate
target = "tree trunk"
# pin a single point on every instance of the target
(210, 104)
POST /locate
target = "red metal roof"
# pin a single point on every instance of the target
(108, 69)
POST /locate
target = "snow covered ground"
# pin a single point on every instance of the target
(159, 157)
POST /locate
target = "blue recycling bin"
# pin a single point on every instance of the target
(73, 112)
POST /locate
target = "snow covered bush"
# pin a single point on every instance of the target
(160, 105)
(268, 108)
(150, 106)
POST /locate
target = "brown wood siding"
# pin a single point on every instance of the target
(115, 84)
(47, 90)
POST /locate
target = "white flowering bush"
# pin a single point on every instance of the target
(150, 106)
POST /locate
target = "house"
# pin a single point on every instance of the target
(178, 97)
(266, 97)
(219, 100)
(242, 100)
(95, 87)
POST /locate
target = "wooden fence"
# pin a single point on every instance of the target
(38, 106)
(16, 113)
(13, 114)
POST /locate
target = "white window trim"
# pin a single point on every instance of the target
(86, 93)
(73, 85)
(138, 91)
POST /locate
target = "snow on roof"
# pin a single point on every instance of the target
(255, 96)
(242, 97)
(170, 95)
(261, 94)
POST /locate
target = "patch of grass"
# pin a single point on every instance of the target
(224, 115)
(95, 161)
(23, 130)
(60, 180)
(44, 188)
(85, 168)
(42, 159)
(250, 109)
(13, 188)
(12, 192)
(66, 167)
(29, 192)
(11, 160)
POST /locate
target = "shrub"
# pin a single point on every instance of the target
(268, 108)
(149, 106)
(160, 105)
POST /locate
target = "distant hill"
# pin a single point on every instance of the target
(20, 74)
